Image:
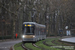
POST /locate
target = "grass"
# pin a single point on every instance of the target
(18, 46)
(60, 43)
(30, 46)
(49, 41)
(42, 46)
(57, 43)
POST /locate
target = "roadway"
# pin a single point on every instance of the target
(7, 44)
(70, 39)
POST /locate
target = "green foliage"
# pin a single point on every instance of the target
(6, 37)
(56, 42)
(30, 46)
(40, 44)
(18, 46)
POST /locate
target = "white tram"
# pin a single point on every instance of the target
(32, 32)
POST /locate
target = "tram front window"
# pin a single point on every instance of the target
(28, 30)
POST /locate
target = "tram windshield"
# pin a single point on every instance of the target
(28, 30)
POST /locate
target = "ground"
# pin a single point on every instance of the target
(7, 44)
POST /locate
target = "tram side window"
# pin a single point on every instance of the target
(36, 31)
(44, 31)
(41, 31)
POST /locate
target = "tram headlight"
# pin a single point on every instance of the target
(23, 36)
(33, 36)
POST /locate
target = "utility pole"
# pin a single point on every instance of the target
(46, 19)
(39, 18)
(2, 27)
(3, 13)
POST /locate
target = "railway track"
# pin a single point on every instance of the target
(38, 46)
(44, 42)
(23, 46)
(35, 45)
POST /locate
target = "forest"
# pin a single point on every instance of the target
(55, 14)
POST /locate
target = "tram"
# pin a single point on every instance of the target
(33, 32)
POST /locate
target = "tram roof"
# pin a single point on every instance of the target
(34, 23)
(29, 22)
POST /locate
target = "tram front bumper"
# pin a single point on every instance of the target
(29, 39)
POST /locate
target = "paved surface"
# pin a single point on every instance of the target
(7, 44)
(70, 39)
